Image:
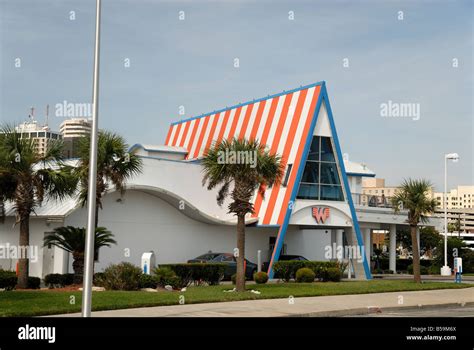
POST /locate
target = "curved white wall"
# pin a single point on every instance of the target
(143, 222)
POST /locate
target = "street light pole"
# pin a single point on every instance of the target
(91, 195)
(446, 270)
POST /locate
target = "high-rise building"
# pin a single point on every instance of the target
(460, 201)
(72, 131)
(41, 135)
(457, 198)
(75, 127)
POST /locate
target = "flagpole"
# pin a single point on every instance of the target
(91, 195)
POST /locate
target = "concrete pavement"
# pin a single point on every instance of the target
(340, 305)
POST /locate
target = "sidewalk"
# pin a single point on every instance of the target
(339, 305)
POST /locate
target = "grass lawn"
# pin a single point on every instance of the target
(48, 302)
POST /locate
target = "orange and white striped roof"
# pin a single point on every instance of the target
(282, 122)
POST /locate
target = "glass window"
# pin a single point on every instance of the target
(321, 173)
(314, 150)
(308, 191)
(311, 172)
(327, 154)
(331, 193)
(329, 174)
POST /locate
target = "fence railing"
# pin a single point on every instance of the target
(368, 200)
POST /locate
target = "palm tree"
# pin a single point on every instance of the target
(221, 171)
(114, 166)
(413, 195)
(72, 239)
(26, 179)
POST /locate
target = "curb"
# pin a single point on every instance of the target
(379, 310)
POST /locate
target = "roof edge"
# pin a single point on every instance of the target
(284, 92)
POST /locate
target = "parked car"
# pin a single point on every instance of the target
(229, 260)
(284, 258)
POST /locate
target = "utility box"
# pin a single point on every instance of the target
(458, 270)
(458, 265)
(148, 262)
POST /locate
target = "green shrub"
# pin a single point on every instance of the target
(233, 278)
(98, 279)
(57, 280)
(148, 281)
(305, 275)
(260, 277)
(165, 276)
(123, 276)
(434, 270)
(197, 273)
(333, 274)
(467, 256)
(286, 270)
(34, 282)
(53, 280)
(8, 280)
(423, 270)
(67, 279)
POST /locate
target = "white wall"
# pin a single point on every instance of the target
(38, 227)
(143, 222)
(309, 243)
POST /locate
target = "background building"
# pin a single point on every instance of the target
(72, 131)
(457, 198)
(41, 135)
(376, 193)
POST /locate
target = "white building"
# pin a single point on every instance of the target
(457, 198)
(41, 135)
(166, 209)
(75, 127)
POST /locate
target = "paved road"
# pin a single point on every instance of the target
(467, 311)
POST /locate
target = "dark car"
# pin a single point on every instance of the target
(284, 258)
(229, 260)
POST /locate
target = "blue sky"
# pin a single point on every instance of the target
(190, 63)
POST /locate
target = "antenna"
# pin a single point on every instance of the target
(32, 113)
(47, 116)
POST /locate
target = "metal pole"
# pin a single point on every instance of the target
(445, 211)
(91, 204)
(259, 260)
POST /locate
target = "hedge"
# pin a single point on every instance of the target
(305, 275)
(147, 281)
(8, 280)
(401, 264)
(57, 280)
(210, 273)
(286, 270)
(423, 270)
(34, 282)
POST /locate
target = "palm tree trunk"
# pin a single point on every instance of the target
(240, 280)
(23, 263)
(78, 267)
(416, 254)
(96, 214)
